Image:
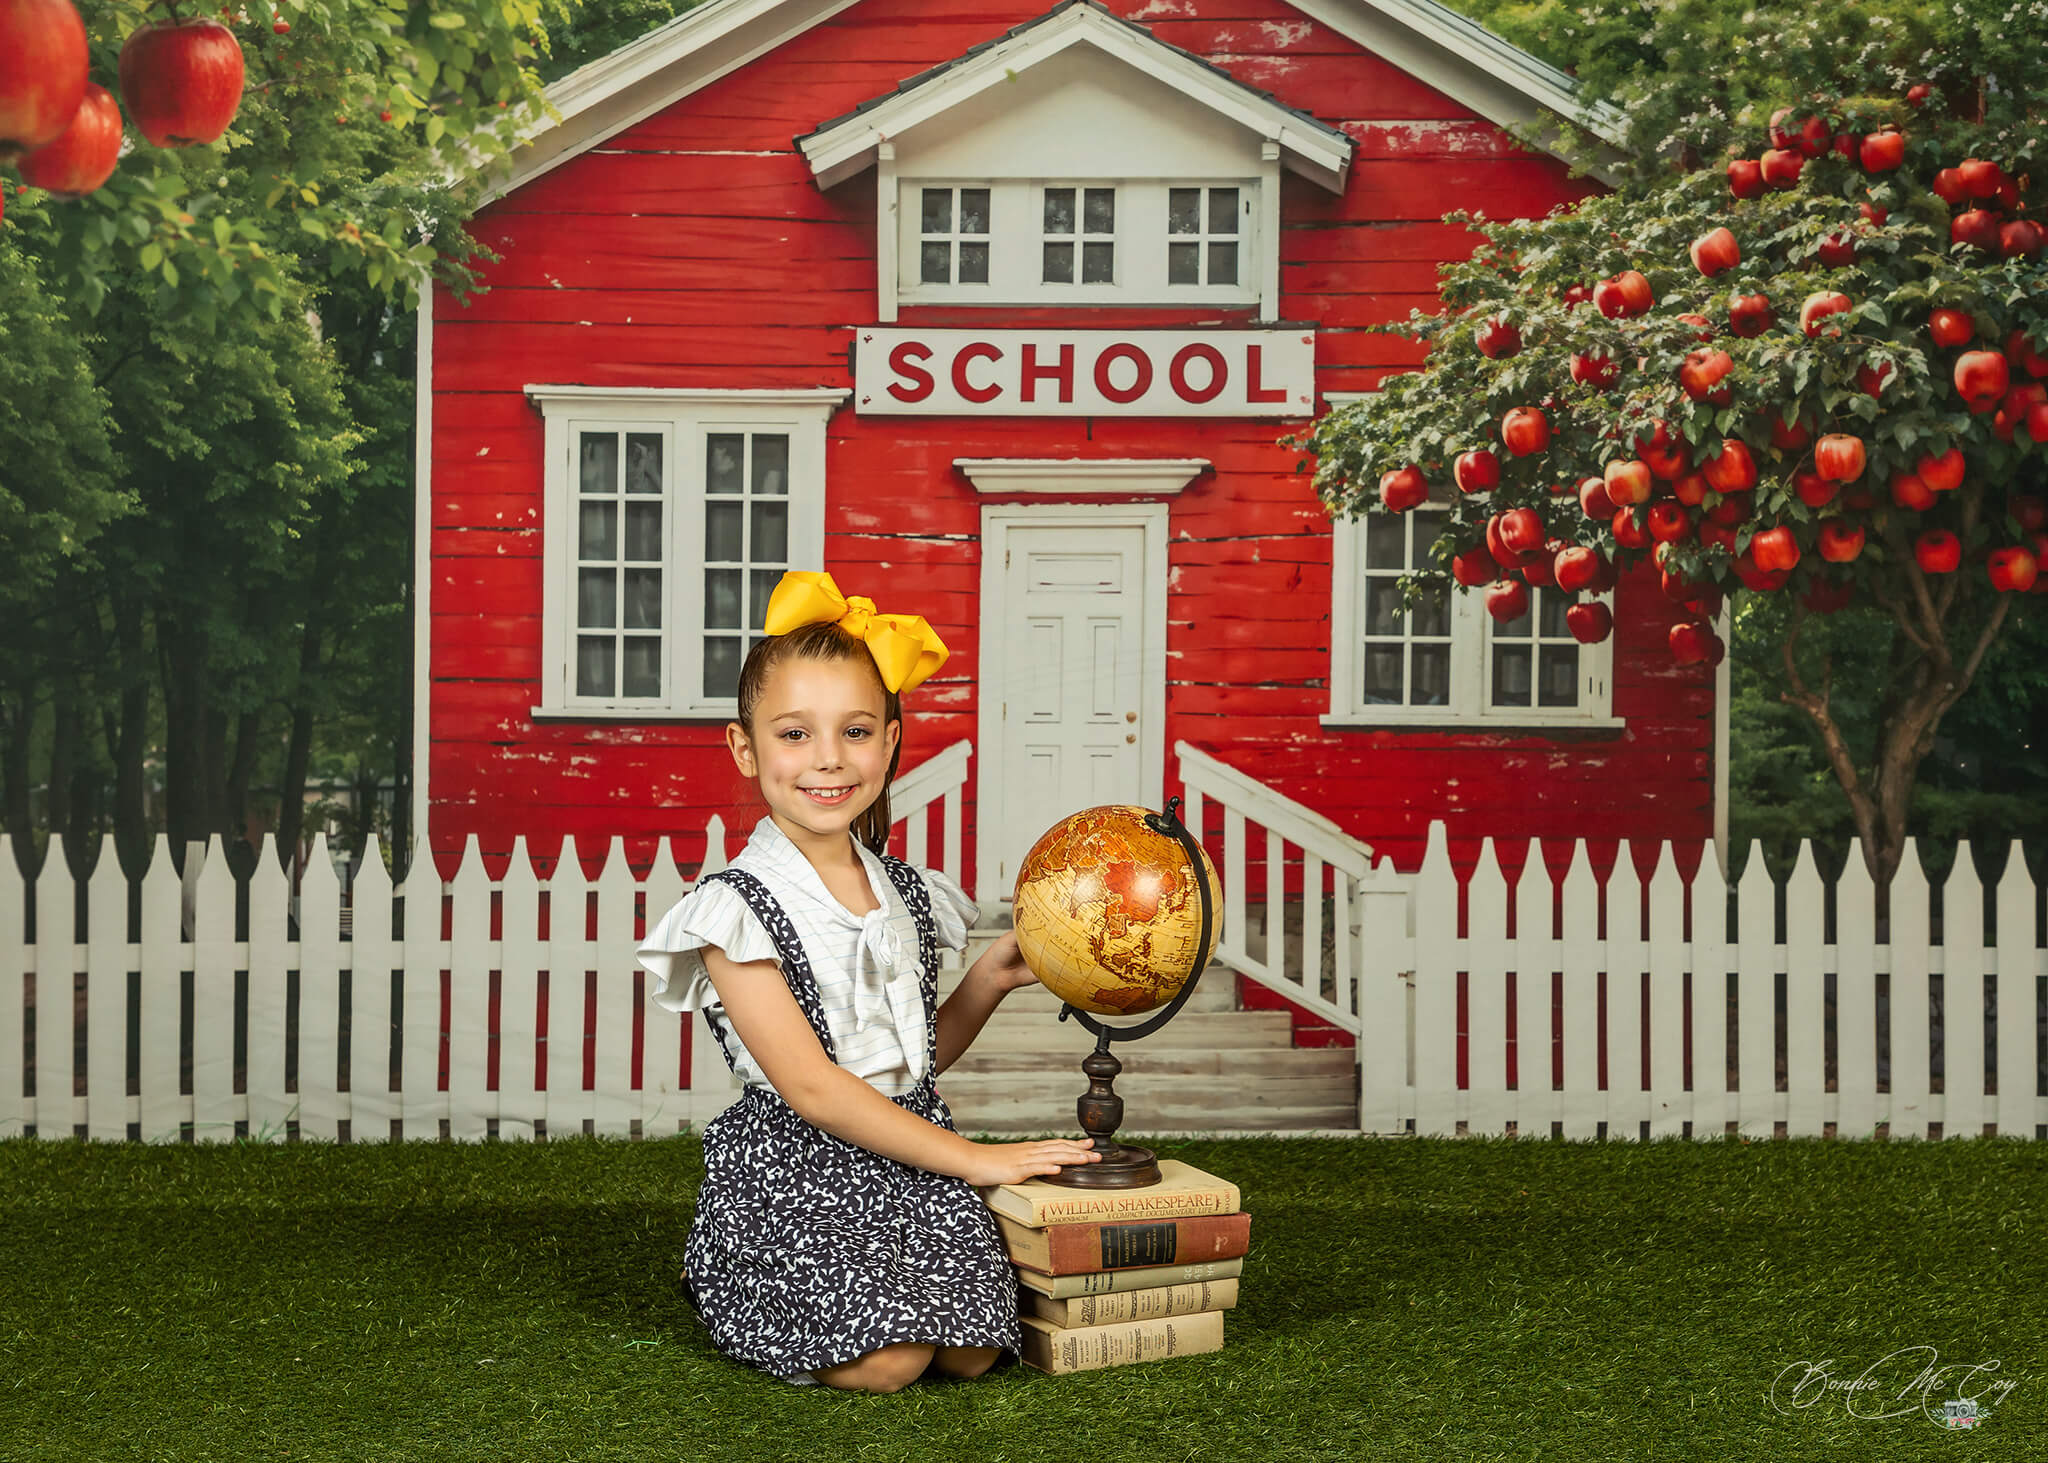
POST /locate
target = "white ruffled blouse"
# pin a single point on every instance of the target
(866, 966)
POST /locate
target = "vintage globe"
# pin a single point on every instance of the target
(1108, 913)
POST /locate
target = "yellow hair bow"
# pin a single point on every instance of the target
(905, 648)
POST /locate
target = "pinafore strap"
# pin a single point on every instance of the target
(796, 966)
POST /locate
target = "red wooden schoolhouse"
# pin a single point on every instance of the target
(998, 313)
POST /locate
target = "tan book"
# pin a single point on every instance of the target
(1147, 1277)
(1134, 1305)
(1076, 1249)
(1182, 1189)
(1059, 1349)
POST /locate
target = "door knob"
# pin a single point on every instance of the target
(1130, 716)
(1132, 737)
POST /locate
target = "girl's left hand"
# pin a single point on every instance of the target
(1006, 964)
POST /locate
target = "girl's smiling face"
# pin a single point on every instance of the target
(819, 747)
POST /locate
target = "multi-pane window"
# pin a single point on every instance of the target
(1535, 658)
(1406, 657)
(953, 240)
(1441, 657)
(1202, 235)
(621, 507)
(671, 515)
(1080, 221)
(746, 546)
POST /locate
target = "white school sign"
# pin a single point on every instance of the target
(1135, 373)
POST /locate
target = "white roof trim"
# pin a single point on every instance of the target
(1147, 476)
(1464, 60)
(850, 147)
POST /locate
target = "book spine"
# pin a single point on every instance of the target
(1136, 1305)
(1072, 1248)
(1046, 1211)
(1107, 1282)
(1060, 1349)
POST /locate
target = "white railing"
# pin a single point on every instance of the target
(1322, 852)
(560, 961)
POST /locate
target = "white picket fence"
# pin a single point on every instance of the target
(1707, 1066)
(617, 1073)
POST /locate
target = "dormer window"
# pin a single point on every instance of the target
(953, 237)
(1083, 220)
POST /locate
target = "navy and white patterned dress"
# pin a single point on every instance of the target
(808, 1250)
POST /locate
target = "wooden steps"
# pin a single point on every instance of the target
(1213, 1067)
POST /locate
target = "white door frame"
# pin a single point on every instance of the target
(997, 519)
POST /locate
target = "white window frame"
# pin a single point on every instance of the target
(1017, 239)
(686, 418)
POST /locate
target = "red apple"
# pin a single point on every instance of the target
(1403, 488)
(1507, 599)
(2019, 238)
(1703, 328)
(182, 80)
(1717, 535)
(1755, 577)
(1525, 430)
(1590, 368)
(1950, 327)
(1870, 379)
(2020, 351)
(1818, 307)
(1497, 339)
(1814, 136)
(1623, 295)
(1574, 296)
(1978, 228)
(1627, 532)
(1540, 569)
(2013, 569)
(1688, 639)
(2013, 410)
(1873, 214)
(2037, 421)
(43, 60)
(84, 154)
(1593, 499)
(1590, 622)
(1701, 373)
(1477, 471)
(1937, 551)
(1789, 436)
(1918, 93)
(1732, 469)
(1981, 379)
(1576, 567)
(1949, 187)
(1749, 315)
(1730, 508)
(1839, 457)
(1669, 522)
(1780, 167)
(1715, 251)
(1814, 490)
(1775, 548)
(2028, 510)
(1628, 482)
(1912, 492)
(1840, 540)
(1836, 250)
(1665, 455)
(1942, 473)
(1882, 151)
(1475, 566)
(1745, 177)
(1981, 176)
(1521, 529)
(1826, 598)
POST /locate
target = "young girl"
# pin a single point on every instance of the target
(838, 1236)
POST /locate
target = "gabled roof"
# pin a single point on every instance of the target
(846, 144)
(1460, 58)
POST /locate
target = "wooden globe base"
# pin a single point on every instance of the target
(1101, 1111)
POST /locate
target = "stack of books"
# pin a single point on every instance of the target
(1107, 1277)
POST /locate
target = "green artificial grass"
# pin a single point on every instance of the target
(1434, 1299)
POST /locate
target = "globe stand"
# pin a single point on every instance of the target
(1101, 1111)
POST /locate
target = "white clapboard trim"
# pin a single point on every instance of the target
(1398, 936)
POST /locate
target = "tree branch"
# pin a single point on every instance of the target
(1897, 611)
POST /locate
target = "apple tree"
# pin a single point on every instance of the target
(1816, 373)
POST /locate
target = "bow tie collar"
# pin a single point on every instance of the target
(887, 983)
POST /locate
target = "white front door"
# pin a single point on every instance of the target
(1073, 670)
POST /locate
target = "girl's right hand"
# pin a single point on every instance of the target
(1013, 1163)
